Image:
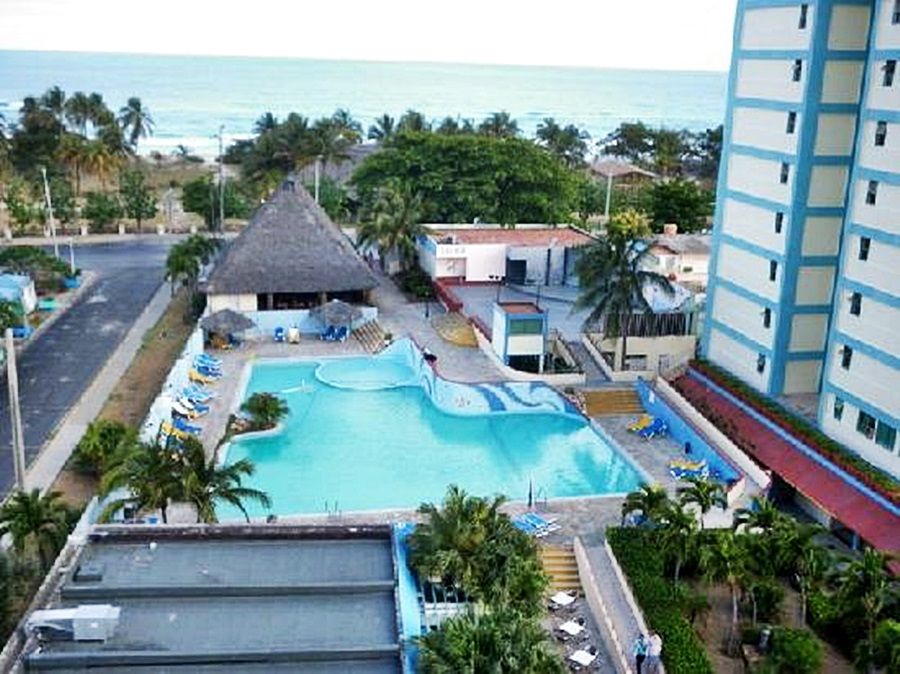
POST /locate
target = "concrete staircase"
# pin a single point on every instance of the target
(559, 563)
(612, 402)
(371, 336)
(592, 373)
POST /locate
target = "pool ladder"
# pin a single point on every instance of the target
(332, 513)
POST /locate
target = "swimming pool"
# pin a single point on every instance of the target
(385, 433)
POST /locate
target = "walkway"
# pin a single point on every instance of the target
(594, 376)
(877, 524)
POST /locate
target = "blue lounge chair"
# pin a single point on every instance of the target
(197, 394)
(208, 371)
(329, 333)
(279, 334)
(185, 427)
(547, 525)
(658, 427)
(340, 335)
(524, 526)
(206, 359)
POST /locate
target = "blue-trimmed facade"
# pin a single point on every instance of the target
(786, 252)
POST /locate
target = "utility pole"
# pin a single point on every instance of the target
(50, 213)
(221, 180)
(15, 413)
(608, 195)
(72, 256)
(318, 159)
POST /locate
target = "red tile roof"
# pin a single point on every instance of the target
(520, 307)
(563, 237)
(873, 521)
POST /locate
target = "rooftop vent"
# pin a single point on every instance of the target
(89, 572)
(88, 622)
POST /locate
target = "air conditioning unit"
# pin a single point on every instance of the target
(88, 622)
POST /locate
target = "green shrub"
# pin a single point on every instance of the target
(767, 594)
(101, 210)
(101, 443)
(414, 281)
(639, 554)
(794, 651)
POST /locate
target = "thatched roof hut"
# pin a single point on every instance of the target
(290, 255)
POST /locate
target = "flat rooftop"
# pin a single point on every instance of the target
(520, 308)
(560, 237)
(217, 599)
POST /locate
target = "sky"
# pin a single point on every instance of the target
(644, 34)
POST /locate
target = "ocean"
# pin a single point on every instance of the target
(189, 97)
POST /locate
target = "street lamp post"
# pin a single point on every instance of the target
(221, 180)
(499, 281)
(50, 213)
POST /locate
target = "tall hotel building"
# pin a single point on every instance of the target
(804, 292)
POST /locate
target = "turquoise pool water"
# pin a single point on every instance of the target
(393, 447)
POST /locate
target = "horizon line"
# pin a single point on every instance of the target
(270, 57)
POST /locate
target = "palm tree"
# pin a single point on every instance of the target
(499, 125)
(677, 534)
(327, 141)
(383, 129)
(761, 517)
(629, 223)
(705, 494)
(182, 267)
(267, 122)
(864, 587)
(99, 161)
(393, 224)
(265, 409)
(613, 280)
(499, 641)
(206, 483)
(725, 560)
(54, 101)
(10, 315)
(73, 152)
(568, 143)
(447, 545)
(651, 500)
(78, 111)
(135, 120)
(150, 476)
(413, 121)
(181, 152)
(798, 554)
(348, 128)
(35, 521)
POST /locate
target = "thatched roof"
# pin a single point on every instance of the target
(290, 246)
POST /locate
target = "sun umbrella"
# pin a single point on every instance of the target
(226, 322)
(337, 313)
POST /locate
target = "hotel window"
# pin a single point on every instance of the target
(889, 68)
(864, 244)
(797, 70)
(767, 317)
(855, 304)
(773, 270)
(791, 122)
(761, 363)
(865, 424)
(846, 357)
(804, 15)
(895, 14)
(880, 134)
(872, 192)
(779, 222)
(885, 435)
(838, 408)
(785, 173)
(520, 327)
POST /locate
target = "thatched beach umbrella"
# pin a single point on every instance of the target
(336, 313)
(226, 322)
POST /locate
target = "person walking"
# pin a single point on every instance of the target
(639, 650)
(654, 652)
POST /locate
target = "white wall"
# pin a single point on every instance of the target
(484, 261)
(828, 186)
(835, 134)
(525, 345)
(880, 271)
(849, 28)
(450, 267)
(844, 431)
(738, 359)
(776, 28)
(878, 324)
(841, 81)
(814, 285)
(766, 129)
(885, 214)
(880, 97)
(245, 302)
(754, 224)
(808, 332)
(749, 271)
(887, 36)
(759, 177)
(743, 315)
(885, 157)
(802, 376)
(868, 379)
(498, 330)
(821, 236)
(770, 79)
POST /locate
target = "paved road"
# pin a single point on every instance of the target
(56, 369)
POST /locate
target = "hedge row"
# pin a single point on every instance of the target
(642, 561)
(803, 431)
